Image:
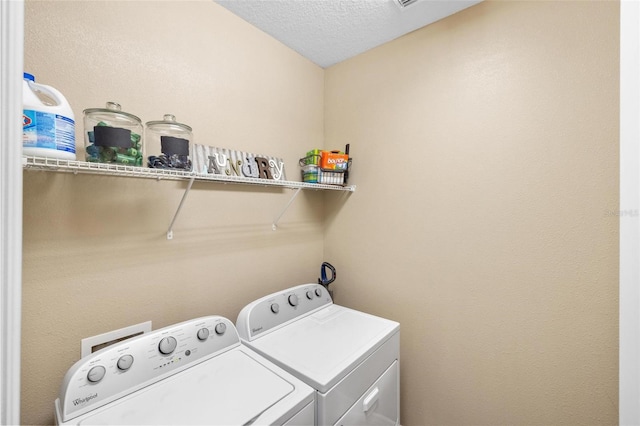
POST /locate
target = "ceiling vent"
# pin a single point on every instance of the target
(405, 3)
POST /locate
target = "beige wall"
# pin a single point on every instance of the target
(486, 156)
(486, 161)
(95, 253)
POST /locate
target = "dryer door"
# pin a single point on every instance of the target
(380, 403)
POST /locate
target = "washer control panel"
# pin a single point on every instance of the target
(127, 366)
(277, 309)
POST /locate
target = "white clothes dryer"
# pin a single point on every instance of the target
(349, 357)
(194, 372)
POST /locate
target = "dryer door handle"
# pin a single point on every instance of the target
(370, 399)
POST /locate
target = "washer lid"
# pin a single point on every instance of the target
(230, 389)
(325, 346)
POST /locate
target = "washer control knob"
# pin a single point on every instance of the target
(221, 328)
(96, 374)
(124, 362)
(275, 308)
(167, 345)
(293, 300)
(318, 292)
(203, 334)
(309, 295)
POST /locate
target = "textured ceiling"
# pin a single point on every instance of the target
(330, 31)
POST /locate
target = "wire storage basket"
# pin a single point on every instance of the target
(314, 168)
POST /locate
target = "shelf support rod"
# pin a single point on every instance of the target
(275, 222)
(175, 216)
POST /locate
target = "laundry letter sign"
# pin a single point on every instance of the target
(208, 160)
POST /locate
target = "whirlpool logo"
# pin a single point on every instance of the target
(80, 401)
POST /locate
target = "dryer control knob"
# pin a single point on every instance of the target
(96, 374)
(275, 308)
(125, 362)
(293, 300)
(221, 328)
(318, 292)
(309, 295)
(167, 345)
(203, 334)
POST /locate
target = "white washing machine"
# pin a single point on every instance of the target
(195, 372)
(349, 357)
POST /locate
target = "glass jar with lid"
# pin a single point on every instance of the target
(113, 136)
(167, 143)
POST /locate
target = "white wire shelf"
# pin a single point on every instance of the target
(110, 169)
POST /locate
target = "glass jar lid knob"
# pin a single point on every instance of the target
(114, 106)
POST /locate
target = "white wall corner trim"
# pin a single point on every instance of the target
(629, 409)
(11, 67)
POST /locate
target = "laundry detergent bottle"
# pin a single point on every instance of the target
(48, 126)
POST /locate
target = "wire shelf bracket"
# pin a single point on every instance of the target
(175, 216)
(274, 226)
